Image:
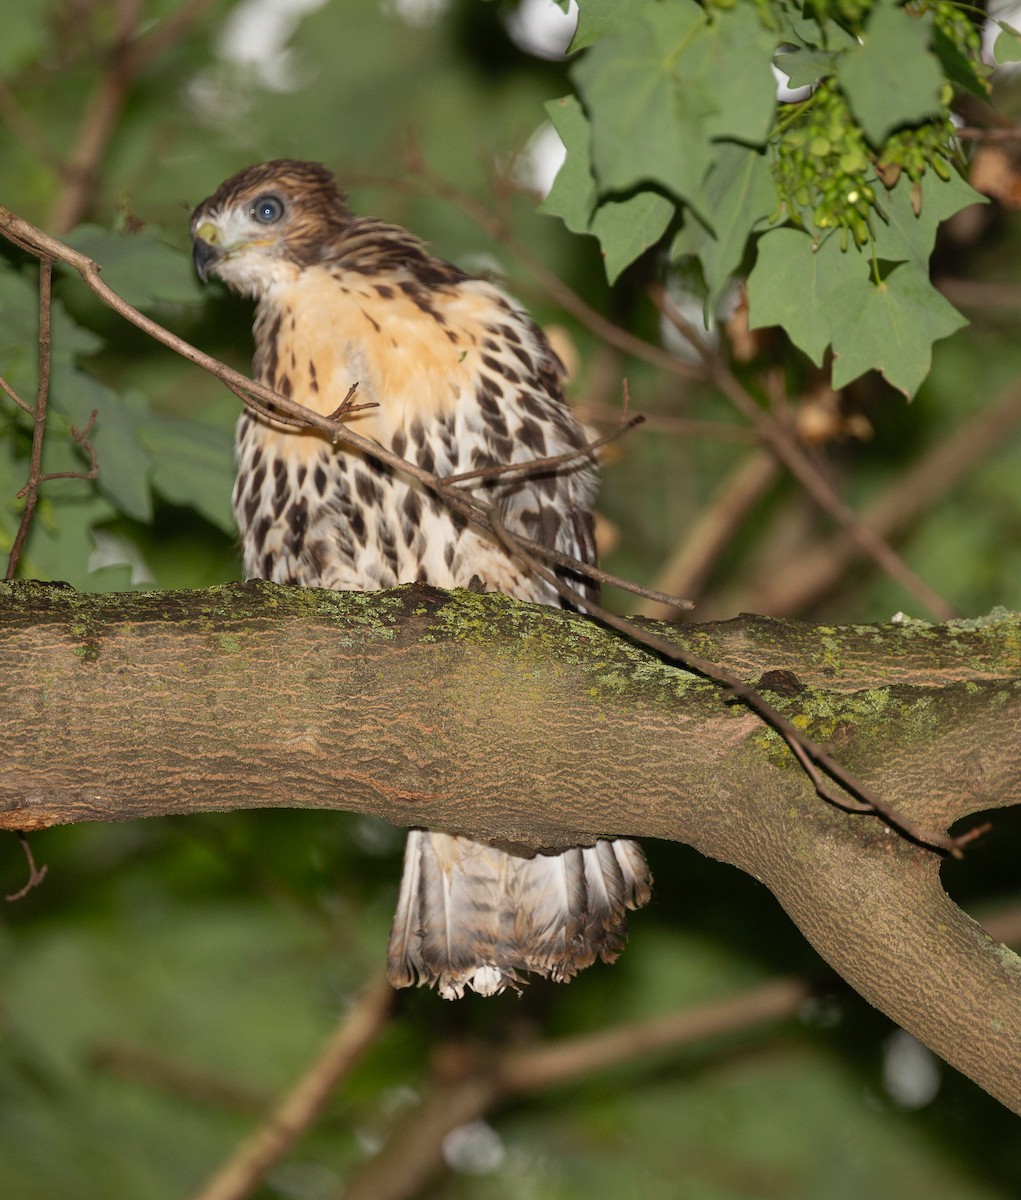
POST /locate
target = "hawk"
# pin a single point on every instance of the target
(462, 379)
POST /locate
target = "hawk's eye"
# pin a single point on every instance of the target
(267, 209)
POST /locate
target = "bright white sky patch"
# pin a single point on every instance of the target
(542, 28)
(256, 34)
(537, 165)
(474, 1149)
(911, 1074)
(420, 14)
(784, 92)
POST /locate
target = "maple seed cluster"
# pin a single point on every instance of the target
(821, 164)
(914, 150)
(824, 168)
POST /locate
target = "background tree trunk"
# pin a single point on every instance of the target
(535, 726)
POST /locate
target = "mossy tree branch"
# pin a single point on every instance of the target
(535, 726)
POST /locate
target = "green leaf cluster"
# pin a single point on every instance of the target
(676, 127)
(144, 456)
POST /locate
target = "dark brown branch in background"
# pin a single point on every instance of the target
(299, 1108)
(810, 576)
(974, 293)
(712, 532)
(971, 133)
(468, 1084)
(97, 124)
(128, 54)
(790, 452)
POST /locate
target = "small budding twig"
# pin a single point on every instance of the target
(348, 406)
(35, 874)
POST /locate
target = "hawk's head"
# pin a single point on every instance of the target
(268, 222)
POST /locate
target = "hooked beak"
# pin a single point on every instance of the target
(205, 250)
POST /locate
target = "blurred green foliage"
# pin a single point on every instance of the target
(227, 946)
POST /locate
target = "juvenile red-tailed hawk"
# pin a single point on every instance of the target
(463, 379)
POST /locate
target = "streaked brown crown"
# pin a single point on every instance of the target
(317, 211)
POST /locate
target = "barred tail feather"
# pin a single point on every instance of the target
(474, 916)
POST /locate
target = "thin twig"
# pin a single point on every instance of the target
(535, 465)
(30, 491)
(972, 133)
(303, 1103)
(684, 427)
(9, 391)
(36, 477)
(35, 874)
(81, 438)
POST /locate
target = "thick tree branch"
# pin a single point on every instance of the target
(536, 726)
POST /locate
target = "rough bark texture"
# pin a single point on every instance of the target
(527, 724)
